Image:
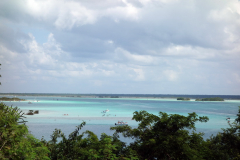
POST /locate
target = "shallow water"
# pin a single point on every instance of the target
(67, 112)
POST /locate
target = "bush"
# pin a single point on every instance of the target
(15, 141)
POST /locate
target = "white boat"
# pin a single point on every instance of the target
(121, 123)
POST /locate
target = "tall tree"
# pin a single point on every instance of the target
(165, 136)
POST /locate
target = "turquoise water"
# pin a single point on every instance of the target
(67, 112)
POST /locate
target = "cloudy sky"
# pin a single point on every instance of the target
(120, 46)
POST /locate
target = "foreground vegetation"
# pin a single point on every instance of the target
(156, 137)
(15, 141)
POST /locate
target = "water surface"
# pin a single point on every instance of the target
(67, 112)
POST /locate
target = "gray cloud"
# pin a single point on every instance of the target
(10, 38)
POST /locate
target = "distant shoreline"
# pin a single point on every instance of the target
(11, 99)
(115, 96)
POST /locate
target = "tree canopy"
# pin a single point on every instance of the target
(164, 136)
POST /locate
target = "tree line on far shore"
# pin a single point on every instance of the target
(202, 99)
(179, 98)
(11, 99)
(163, 136)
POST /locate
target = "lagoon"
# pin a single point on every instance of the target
(66, 113)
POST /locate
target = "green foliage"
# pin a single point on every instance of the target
(11, 99)
(90, 147)
(226, 145)
(210, 99)
(183, 99)
(180, 98)
(15, 141)
(164, 136)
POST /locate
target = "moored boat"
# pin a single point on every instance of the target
(105, 111)
(121, 123)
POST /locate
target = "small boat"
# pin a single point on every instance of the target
(121, 123)
(29, 102)
(105, 111)
(228, 119)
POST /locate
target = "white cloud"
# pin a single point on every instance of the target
(123, 55)
(190, 52)
(227, 14)
(171, 75)
(139, 75)
(65, 14)
(46, 55)
(73, 14)
(110, 41)
(126, 12)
